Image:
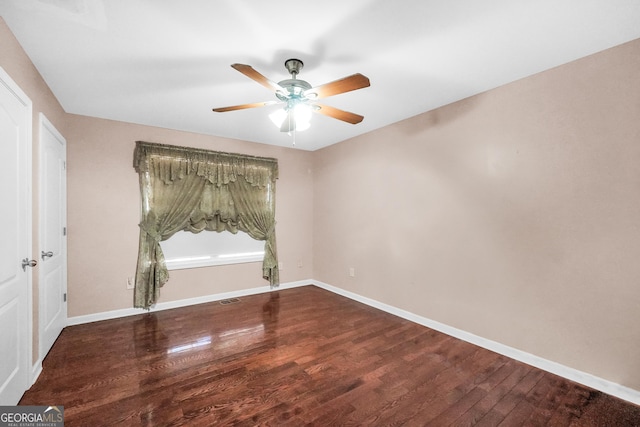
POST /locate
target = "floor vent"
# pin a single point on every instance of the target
(229, 301)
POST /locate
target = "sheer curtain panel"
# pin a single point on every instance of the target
(200, 190)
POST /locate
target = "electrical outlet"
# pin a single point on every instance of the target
(352, 272)
(300, 265)
(129, 282)
(280, 265)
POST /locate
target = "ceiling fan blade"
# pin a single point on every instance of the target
(336, 113)
(244, 106)
(347, 84)
(250, 72)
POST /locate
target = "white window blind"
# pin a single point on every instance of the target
(207, 248)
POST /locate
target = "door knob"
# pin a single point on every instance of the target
(46, 254)
(28, 263)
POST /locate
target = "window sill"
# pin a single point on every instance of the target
(209, 261)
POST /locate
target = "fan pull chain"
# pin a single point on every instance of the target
(293, 135)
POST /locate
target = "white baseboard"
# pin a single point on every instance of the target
(114, 314)
(572, 374)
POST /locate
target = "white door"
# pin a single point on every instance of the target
(53, 241)
(15, 240)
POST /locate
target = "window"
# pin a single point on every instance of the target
(188, 250)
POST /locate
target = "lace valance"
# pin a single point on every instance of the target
(171, 163)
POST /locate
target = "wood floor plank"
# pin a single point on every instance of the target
(497, 386)
(301, 356)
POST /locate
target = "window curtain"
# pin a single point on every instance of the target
(194, 190)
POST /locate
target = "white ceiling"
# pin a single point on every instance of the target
(167, 63)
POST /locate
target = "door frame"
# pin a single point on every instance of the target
(43, 123)
(33, 369)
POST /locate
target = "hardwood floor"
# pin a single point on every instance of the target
(301, 356)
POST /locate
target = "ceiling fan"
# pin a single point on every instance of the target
(300, 97)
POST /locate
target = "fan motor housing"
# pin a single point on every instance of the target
(295, 87)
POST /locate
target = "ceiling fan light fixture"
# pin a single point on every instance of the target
(302, 115)
(296, 117)
(278, 117)
(299, 97)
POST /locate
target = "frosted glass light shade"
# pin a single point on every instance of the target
(297, 118)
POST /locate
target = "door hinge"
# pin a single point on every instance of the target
(64, 165)
(64, 297)
(64, 231)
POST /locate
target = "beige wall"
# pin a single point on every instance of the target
(513, 215)
(104, 211)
